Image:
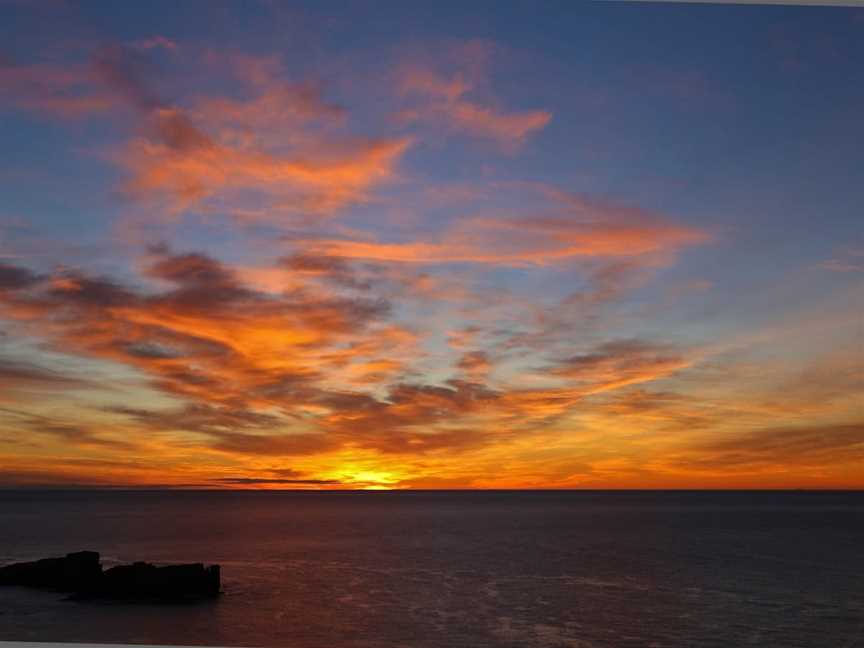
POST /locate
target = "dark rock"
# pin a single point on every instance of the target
(142, 580)
(81, 574)
(76, 572)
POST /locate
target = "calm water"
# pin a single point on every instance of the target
(373, 570)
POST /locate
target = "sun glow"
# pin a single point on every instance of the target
(370, 479)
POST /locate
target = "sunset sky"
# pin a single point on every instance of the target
(431, 245)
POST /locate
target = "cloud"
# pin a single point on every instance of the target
(441, 99)
(276, 445)
(223, 147)
(233, 429)
(124, 72)
(605, 282)
(404, 422)
(315, 181)
(258, 375)
(780, 448)
(200, 417)
(330, 269)
(69, 434)
(624, 362)
(476, 365)
(66, 91)
(120, 472)
(17, 377)
(280, 145)
(277, 112)
(13, 277)
(255, 481)
(156, 42)
(589, 230)
(77, 435)
(667, 411)
(202, 334)
(464, 337)
(462, 415)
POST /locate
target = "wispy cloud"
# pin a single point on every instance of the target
(257, 481)
(780, 449)
(217, 149)
(448, 100)
(156, 42)
(593, 230)
(66, 91)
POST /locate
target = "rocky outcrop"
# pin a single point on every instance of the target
(142, 580)
(81, 574)
(76, 572)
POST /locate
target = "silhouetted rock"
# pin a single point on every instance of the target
(76, 572)
(81, 573)
(142, 580)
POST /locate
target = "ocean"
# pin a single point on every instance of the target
(554, 569)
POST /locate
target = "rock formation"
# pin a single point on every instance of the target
(142, 580)
(77, 572)
(81, 574)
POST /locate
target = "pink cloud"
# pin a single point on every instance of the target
(65, 91)
(441, 99)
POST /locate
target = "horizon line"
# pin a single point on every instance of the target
(89, 488)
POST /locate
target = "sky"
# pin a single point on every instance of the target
(357, 245)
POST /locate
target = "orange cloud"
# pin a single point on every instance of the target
(593, 232)
(304, 371)
(280, 146)
(225, 147)
(205, 337)
(789, 451)
(320, 182)
(439, 99)
(66, 434)
(276, 114)
(476, 366)
(626, 362)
